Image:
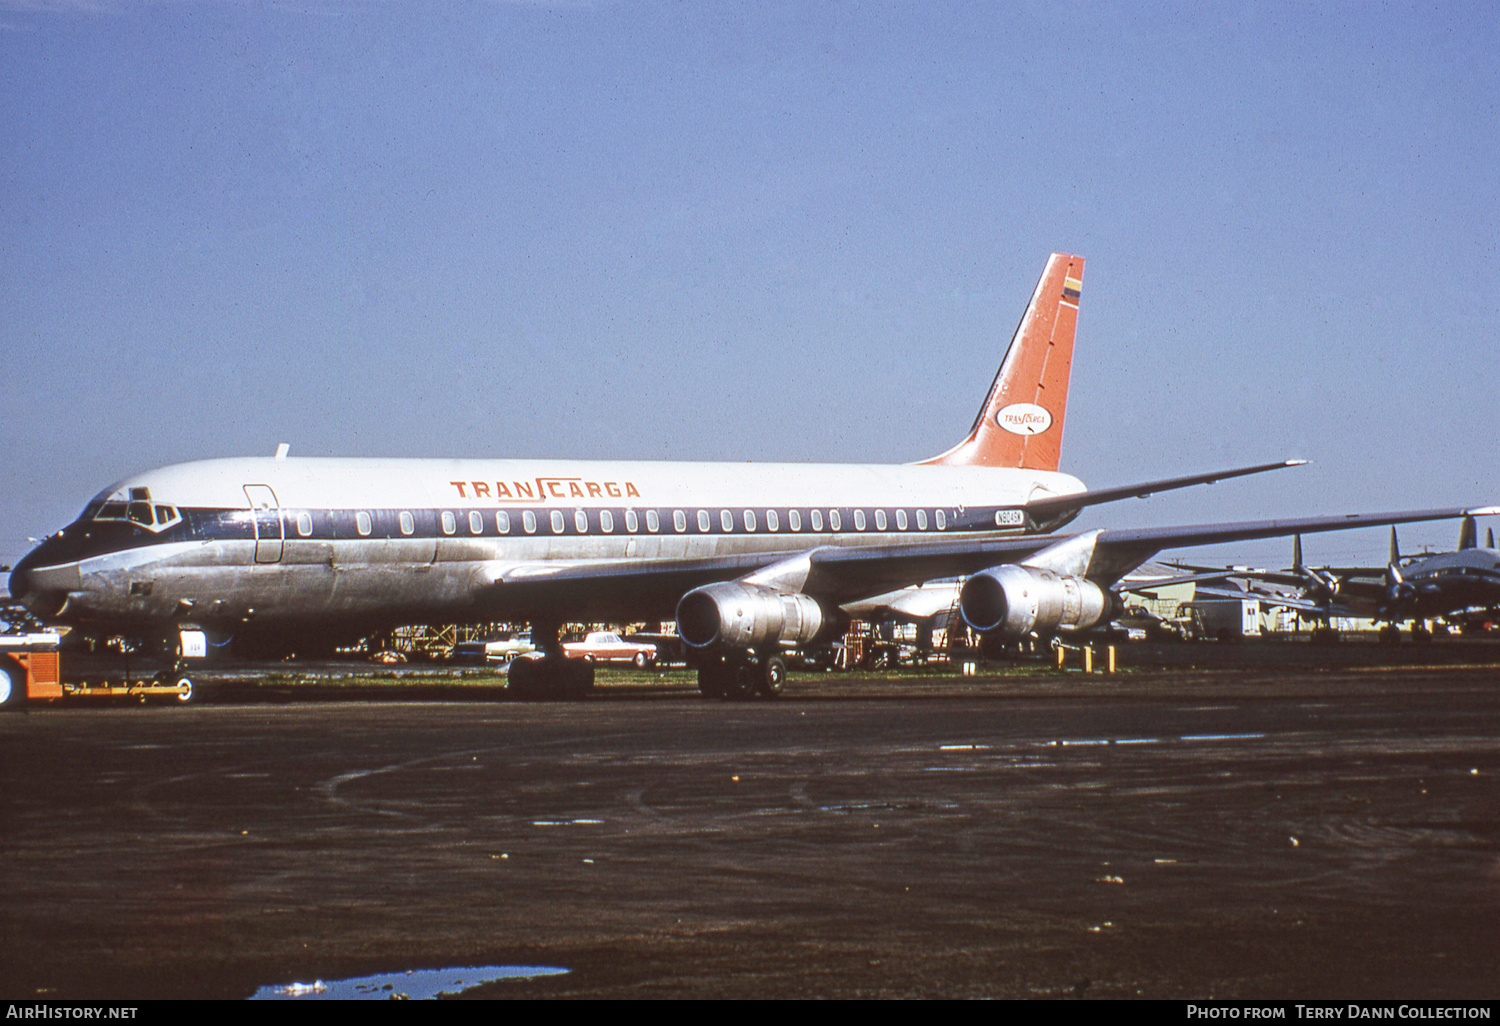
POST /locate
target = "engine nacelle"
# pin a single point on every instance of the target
(740, 617)
(1013, 601)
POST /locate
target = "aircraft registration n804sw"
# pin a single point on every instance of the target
(752, 559)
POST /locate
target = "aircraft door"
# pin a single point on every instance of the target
(270, 529)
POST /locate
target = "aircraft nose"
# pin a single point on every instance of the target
(20, 584)
(41, 582)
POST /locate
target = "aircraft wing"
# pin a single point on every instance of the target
(1117, 552)
(1167, 582)
(1277, 599)
(1046, 509)
(646, 590)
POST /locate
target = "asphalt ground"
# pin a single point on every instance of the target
(1247, 823)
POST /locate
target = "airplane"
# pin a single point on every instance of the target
(1419, 588)
(1414, 588)
(751, 558)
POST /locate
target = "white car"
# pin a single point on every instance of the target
(609, 647)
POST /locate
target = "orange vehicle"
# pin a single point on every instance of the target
(31, 670)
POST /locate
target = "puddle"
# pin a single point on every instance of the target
(415, 984)
(566, 822)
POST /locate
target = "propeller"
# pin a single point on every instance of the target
(1321, 584)
(1397, 591)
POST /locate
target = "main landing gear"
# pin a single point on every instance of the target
(741, 676)
(552, 677)
(1390, 634)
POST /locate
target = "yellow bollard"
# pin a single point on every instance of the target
(1062, 655)
(1088, 659)
(1111, 659)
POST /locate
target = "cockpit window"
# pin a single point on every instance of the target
(136, 510)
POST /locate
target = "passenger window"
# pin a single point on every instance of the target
(921, 520)
(558, 523)
(581, 521)
(653, 523)
(362, 523)
(476, 522)
(679, 520)
(859, 520)
(726, 520)
(408, 525)
(772, 523)
(304, 524)
(749, 520)
(835, 522)
(900, 519)
(528, 520)
(941, 519)
(794, 520)
(502, 522)
(880, 520)
(816, 517)
(632, 522)
(703, 522)
(449, 523)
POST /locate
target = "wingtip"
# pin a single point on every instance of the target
(1296, 463)
(1483, 511)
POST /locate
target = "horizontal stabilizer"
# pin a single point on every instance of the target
(1043, 510)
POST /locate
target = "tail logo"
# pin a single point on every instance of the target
(1023, 419)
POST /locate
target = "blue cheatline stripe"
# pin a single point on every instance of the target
(200, 524)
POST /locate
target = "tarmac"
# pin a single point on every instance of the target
(1253, 821)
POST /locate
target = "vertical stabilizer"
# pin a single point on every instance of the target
(1468, 534)
(1021, 421)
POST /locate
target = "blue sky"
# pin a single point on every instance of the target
(764, 231)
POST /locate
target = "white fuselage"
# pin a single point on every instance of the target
(269, 540)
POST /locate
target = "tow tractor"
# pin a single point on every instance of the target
(30, 669)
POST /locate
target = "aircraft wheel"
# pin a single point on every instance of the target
(740, 681)
(771, 678)
(12, 685)
(577, 678)
(711, 679)
(522, 679)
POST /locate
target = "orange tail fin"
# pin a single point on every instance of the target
(1021, 421)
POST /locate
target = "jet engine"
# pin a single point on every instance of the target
(1013, 601)
(740, 617)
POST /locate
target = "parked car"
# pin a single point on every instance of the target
(507, 647)
(501, 649)
(609, 647)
